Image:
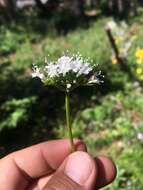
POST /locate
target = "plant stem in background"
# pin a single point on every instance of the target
(123, 65)
(68, 120)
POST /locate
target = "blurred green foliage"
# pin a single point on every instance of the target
(16, 111)
(108, 117)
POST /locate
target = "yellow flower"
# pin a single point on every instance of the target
(114, 61)
(139, 61)
(141, 77)
(139, 70)
(139, 53)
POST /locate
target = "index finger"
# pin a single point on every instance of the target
(33, 162)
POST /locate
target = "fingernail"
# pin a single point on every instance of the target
(80, 146)
(79, 166)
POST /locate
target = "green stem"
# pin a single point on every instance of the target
(68, 120)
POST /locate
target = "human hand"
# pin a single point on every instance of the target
(50, 166)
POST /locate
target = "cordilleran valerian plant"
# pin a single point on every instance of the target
(68, 73)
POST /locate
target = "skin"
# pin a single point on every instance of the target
(31, 168)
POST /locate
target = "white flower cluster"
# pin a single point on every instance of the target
(66, 64)
(68, 72)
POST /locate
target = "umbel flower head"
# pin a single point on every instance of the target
(68, 72)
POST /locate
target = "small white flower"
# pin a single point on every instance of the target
(64, 60)
(77, 64)
(37, 73)
(69, 86)
(94, 79)
(85, 69)
(140, 136)
(52, 69)
(64, 64)
(111, 25)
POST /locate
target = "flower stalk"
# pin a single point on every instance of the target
(68, 73)
(68, 120)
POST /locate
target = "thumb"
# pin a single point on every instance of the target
(78, 171)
